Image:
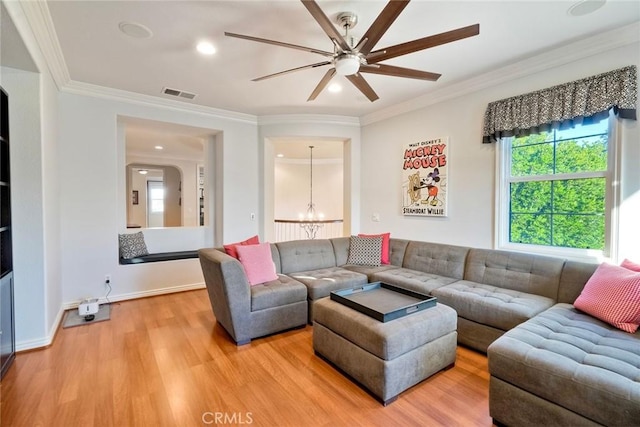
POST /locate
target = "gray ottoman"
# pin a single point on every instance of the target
(385, 358)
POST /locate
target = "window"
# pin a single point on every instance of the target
(556, 190)
(157, 200)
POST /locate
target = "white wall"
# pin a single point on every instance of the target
(51, 202)
(472, 164)
(291, 193)
(35, 189)
(35, 205)
(346, 129)
(27, 203)
(93, 208)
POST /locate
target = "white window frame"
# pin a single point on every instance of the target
(612, 176)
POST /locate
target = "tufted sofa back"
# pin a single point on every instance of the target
(436, 258)
(534, 274)
(305, 255)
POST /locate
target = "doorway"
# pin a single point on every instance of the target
(155, 204)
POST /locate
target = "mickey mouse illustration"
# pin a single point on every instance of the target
(430, 184)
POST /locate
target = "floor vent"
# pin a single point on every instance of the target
(178, 93)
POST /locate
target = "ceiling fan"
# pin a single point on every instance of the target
(350, 60)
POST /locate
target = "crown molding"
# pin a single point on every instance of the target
(562, 55)
(80, 88)
(310, 119)
(39, 20)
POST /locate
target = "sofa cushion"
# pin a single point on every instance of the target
(384, 255)
(534, 274)
(305, 255)
(489, 305)
(321, 282)
(257, 263)
(630, 265)
(132, 245)
(574, 360)
(612, 295)
(282, 291)
(230, 248)
(397, 248)
(434, 258)
(412, 279)
(365, 251)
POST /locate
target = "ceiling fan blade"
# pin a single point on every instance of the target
(362, 85)
(317, 64)
(424, 43)
(382, 23)
(326, 24)
(323, 83)
(390, 70)
(277, 43)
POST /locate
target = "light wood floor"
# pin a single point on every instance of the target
(164, 361)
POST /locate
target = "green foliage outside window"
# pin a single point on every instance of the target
(549, 208)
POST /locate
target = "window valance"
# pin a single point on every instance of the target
(563, 105)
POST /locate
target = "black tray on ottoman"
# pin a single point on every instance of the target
(382, 301)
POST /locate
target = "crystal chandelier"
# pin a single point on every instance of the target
(311, 222)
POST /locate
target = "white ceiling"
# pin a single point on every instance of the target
(97, 52)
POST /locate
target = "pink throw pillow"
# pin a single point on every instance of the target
(384, 255)
(257, 263)
(630, 265)
(230, 248)
(612, 294)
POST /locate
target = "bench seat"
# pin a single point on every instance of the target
(163, 256)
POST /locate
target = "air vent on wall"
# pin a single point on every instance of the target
(178, 93)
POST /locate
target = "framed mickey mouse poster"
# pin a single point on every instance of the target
(424, 178)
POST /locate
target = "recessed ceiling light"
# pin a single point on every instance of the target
(335, 88)
(206, 48)
(136, 30)
(143, 171)
(159, 147)
(585, 7)
(280, 155)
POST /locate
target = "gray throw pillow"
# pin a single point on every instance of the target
(132, 245)
(365, 251)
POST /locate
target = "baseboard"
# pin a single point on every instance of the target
(143, 294)
(40, 343)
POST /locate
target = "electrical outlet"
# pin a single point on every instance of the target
(107, 278)
(253, 216)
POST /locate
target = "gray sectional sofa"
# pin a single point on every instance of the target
(549, 363)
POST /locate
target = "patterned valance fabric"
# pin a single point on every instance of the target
(563, 105)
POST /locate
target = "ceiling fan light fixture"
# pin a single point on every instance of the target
(335, 88)
(347, 65)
